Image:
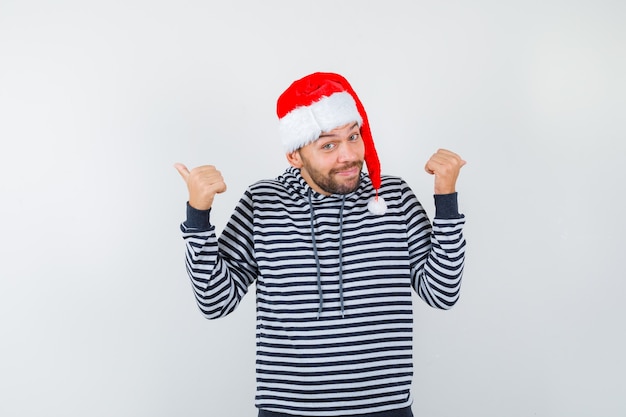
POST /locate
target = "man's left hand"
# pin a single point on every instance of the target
(445, 166)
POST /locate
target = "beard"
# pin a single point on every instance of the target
(329, 182)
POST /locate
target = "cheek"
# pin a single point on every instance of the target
(359, 152)
(327, 164)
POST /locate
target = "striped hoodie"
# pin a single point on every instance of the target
(333, 288)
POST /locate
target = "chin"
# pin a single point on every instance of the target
(348, 188)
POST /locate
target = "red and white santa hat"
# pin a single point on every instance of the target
(321, 102)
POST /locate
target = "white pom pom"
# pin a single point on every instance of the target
(377, 205)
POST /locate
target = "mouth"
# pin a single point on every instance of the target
(348, 171)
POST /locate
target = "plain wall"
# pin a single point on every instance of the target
(99, 99)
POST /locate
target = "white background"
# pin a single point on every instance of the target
(98, 99)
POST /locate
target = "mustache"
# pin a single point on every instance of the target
(358, 164)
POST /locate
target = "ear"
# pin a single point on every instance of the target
(294, 159)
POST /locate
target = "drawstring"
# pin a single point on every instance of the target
(343, 200)
(317, 258)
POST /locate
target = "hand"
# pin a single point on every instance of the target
(203, 183)
(445, 166)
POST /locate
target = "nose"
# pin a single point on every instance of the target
(347, 152)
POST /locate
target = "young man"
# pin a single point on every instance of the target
(335, 254)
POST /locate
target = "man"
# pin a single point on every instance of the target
(334, 253)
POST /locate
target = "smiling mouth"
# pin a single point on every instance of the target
(348, 171)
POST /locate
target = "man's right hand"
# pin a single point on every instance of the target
(203, 183)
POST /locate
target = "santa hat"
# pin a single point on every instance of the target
(321, 102)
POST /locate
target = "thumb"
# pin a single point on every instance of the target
(428, 168)
(182, 170)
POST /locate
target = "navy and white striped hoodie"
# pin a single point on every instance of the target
(333, 283)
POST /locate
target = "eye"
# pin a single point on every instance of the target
(354, 137)
(328, 146)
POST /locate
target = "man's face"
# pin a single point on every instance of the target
(333, 163)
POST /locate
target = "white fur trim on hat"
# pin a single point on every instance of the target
(303, 124)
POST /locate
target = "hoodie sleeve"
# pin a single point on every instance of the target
(437, 251)
(221, 270)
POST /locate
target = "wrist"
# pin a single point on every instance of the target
(200, 205)
(442, 190)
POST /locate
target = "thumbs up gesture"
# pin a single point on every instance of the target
(203, 183)
(445, 166)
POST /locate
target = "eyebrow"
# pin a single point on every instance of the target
(323, 135)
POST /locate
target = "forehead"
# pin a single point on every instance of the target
(347, 128)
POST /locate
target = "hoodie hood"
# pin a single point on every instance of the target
(299, 188)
